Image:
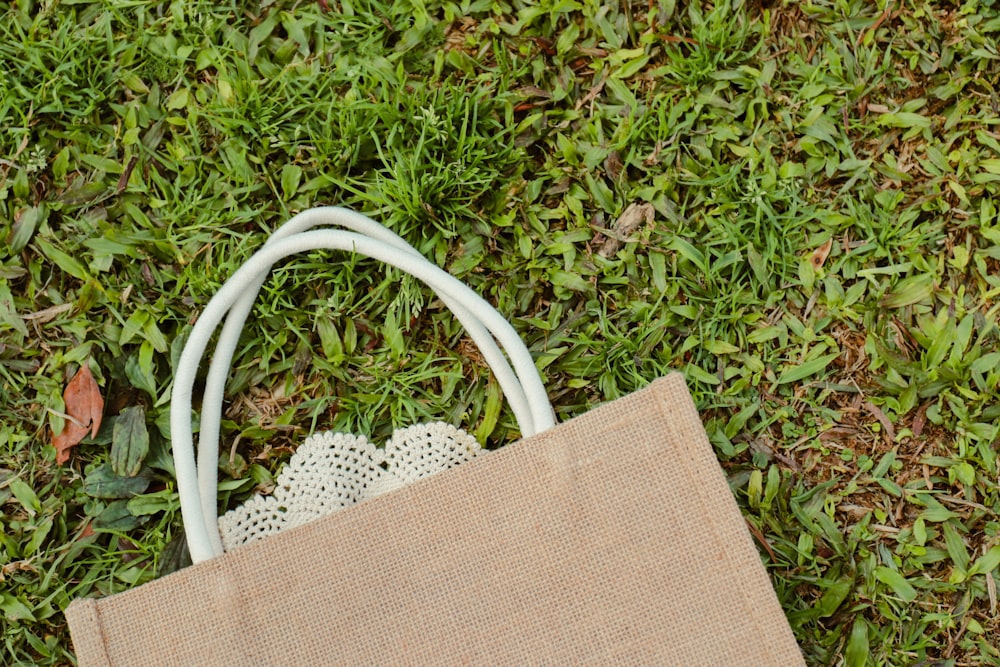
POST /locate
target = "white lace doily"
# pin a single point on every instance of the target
(330, 471)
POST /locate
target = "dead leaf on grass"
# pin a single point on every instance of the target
(889, 431)
(821, 253)
(919, 420)
(84, 409)
(613, 165)
(594, 91)
(628, 223)
(48, 314)
(757, 533)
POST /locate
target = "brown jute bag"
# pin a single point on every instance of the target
(609, 539)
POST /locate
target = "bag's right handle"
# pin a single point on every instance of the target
(196, 520)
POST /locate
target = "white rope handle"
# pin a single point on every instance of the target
(211, 412)
(526, 388)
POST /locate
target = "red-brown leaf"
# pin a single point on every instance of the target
(920, 420)
(889, 429)
(84, 409)
(821, 253)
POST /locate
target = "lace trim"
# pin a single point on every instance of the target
(330, 471)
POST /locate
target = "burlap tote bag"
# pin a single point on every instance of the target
(610, 539)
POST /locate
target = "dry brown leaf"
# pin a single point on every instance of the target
(534, 91)
(991, 590)
(613, 165)
(593, 92)
(631, 219)
(889, 430)
(919, 420)
(821, 253)
(84, 410)
(757, 533)
(48, 314)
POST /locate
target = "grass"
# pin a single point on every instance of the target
(820, 259)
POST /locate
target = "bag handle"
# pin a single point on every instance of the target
(211, 412)
(522, 385)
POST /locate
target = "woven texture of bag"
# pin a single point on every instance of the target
(611, 539)
(331, 471)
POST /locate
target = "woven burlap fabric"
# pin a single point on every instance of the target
(612, 539)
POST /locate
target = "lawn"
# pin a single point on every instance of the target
(789, 202)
